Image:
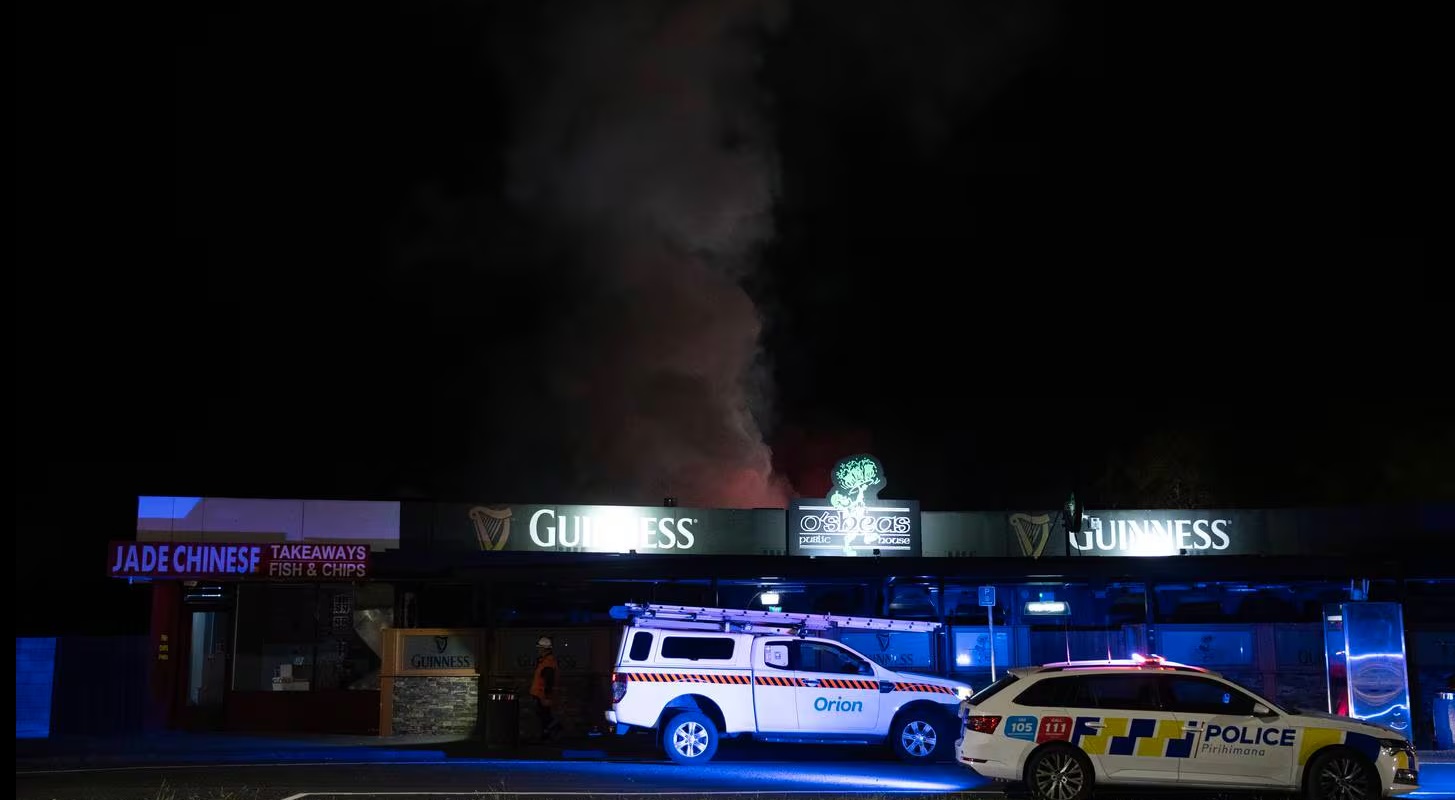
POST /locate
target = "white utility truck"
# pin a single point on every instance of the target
(695, 674)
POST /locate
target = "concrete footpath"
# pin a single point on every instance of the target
(176, 748)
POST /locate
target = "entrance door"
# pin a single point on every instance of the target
(1236, 746)
(773, 689)
(1134, 739)
(207, 658)
(837, 690)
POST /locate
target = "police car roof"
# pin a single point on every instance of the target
(1116, 665)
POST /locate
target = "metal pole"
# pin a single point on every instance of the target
(990, 623)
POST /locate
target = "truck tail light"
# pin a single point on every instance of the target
(618, 687)
(980, 723)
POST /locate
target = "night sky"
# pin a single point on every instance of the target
(557, 252)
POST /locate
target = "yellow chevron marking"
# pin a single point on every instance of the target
(1156, 744)
(1115, 726)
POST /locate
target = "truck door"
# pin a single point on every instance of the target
(837, 690)
(774, 682)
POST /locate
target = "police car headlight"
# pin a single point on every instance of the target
(1389, 747)
(963, 693)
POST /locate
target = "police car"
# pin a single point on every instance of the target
(1064, 728)
(696, 675)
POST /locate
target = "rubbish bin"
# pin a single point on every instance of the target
(1444, 720)
(502, 719)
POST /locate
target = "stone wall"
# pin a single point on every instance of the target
(436, 705)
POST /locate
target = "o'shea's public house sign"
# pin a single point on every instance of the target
(853, 520)
(303, 561)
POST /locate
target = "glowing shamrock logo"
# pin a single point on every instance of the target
(854, 477)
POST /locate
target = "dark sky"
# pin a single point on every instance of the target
(517, 251)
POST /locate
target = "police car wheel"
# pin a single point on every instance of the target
(1059, 773)
(1342, 774)
(690, 738)
(920, 736)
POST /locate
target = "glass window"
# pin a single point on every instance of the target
(641, 646)
(1067, 692)
(819, 657)
(1205, 696)
(776, 655)
(698, 648)
(993, 689)
(1046, 692)
(277, 637)
(1207, 646)
(1124, 692)
(973, 647)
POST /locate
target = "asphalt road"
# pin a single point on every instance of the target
(536, 780)
(542, 780)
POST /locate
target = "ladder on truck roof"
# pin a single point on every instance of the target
(646, 615)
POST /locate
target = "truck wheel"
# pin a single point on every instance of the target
(1342, 774)
(1059, 772)
(921, 735)
(690, 738)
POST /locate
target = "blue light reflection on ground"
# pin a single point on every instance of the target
(883, 776)
(1436, 780)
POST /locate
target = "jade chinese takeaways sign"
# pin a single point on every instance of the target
(219, 561)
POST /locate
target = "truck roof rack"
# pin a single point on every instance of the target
(646, 615)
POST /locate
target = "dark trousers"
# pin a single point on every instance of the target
(548, 720)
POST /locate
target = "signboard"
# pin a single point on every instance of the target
(852, 520)
(298, 561)
(1143, 533)
(438, 651)
(578, 652)
(629, 530)
(1129, 533)
(893, 649)
(987, 595)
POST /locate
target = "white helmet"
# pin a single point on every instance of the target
(544, 641)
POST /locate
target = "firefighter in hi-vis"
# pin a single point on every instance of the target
(543, 687)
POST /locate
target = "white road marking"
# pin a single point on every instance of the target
(601, 793)
(141, 767)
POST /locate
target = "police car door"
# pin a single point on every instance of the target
(1126, 731)
(775, 685)
(1232, 745)
(837, 690)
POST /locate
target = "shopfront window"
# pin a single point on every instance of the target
(973, 647)
(308, 637)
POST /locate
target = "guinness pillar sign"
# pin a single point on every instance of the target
(852, 520)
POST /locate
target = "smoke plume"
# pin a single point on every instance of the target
(641, 143)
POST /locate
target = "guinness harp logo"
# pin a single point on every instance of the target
(441, 643)
(492, 526)
(884, 639)
(1032, 532)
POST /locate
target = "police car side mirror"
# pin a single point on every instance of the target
(1263, 712)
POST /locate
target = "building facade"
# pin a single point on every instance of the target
(395, 617)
